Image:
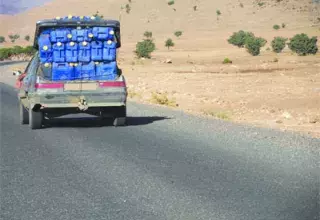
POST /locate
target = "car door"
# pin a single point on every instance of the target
(30, 74)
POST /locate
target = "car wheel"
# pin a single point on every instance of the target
(35, 119)
(24, 115)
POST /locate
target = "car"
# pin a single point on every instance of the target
(41, 98)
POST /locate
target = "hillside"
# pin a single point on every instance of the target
(162, 19)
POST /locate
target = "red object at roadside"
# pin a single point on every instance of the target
(19, 80)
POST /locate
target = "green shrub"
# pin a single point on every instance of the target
(262, 41)
(303, 45)
(13, 38)
(145, 48)
(227, 61)
(148, 34)
(218, 12)
(253, 46)
(278, 44)
(2, 39)
(169, 43)
(178, 33)
(171, 2)
(27, 38)
(128, 8)
(261, 4)
(6, 53)
(276, 27)
(239, 38)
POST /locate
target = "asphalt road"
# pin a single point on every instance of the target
(163, 165)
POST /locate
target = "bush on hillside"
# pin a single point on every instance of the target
(239, 38)
(178, 33)
(253, 46)
(13, 38)
(276, 27)
(148, 34)
(2, 39)
(171, 2)
(145, 48)
(227, 61)
(303, 45)
(278, 44)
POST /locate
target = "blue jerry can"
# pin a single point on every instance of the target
(84, 52)
(62, 71)
(96, 51)
(45, 48)
(106, 71)
(109, 51)
(62, 35)
(84, 71)
(59, 53)
(103, 33)
(72, 52)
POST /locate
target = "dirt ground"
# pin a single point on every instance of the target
(275, 91)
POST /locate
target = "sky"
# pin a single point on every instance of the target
(17, 6)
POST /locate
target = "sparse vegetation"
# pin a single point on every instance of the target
(178, 33)
(163, 99)
(7, 53)
(27, 38)
(261, 4)
(275, 60)
(227, 61)
(278, 44)
(2, 39)
(218, 12)
(303, 45)
(276, 27)
(283, 25)
(171, 2)
(241, 5)
(148, 34)
(13, 38)
(169, 43)
(128, 8)
(97, 15)
(218, 114)
(195, 8)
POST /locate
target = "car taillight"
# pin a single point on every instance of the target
(49, 87)
(112, 84)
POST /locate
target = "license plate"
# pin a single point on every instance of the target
(80, 86)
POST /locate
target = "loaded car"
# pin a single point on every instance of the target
(73, 71)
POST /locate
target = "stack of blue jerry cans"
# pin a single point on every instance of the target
(78, 53)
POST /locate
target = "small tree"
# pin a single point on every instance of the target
(2, 39)
(169, 43)
(303, 45)
(178, 33)
(148, 34)
(27, 38)
(278, 44)
(145, 48)
(253, 46)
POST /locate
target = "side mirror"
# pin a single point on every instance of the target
(17, 73)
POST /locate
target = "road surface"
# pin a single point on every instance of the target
(164, 165)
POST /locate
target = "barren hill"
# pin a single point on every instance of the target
(192, 16)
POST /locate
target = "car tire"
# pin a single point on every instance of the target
(121, 117)
(24, 114)
(35, 119)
